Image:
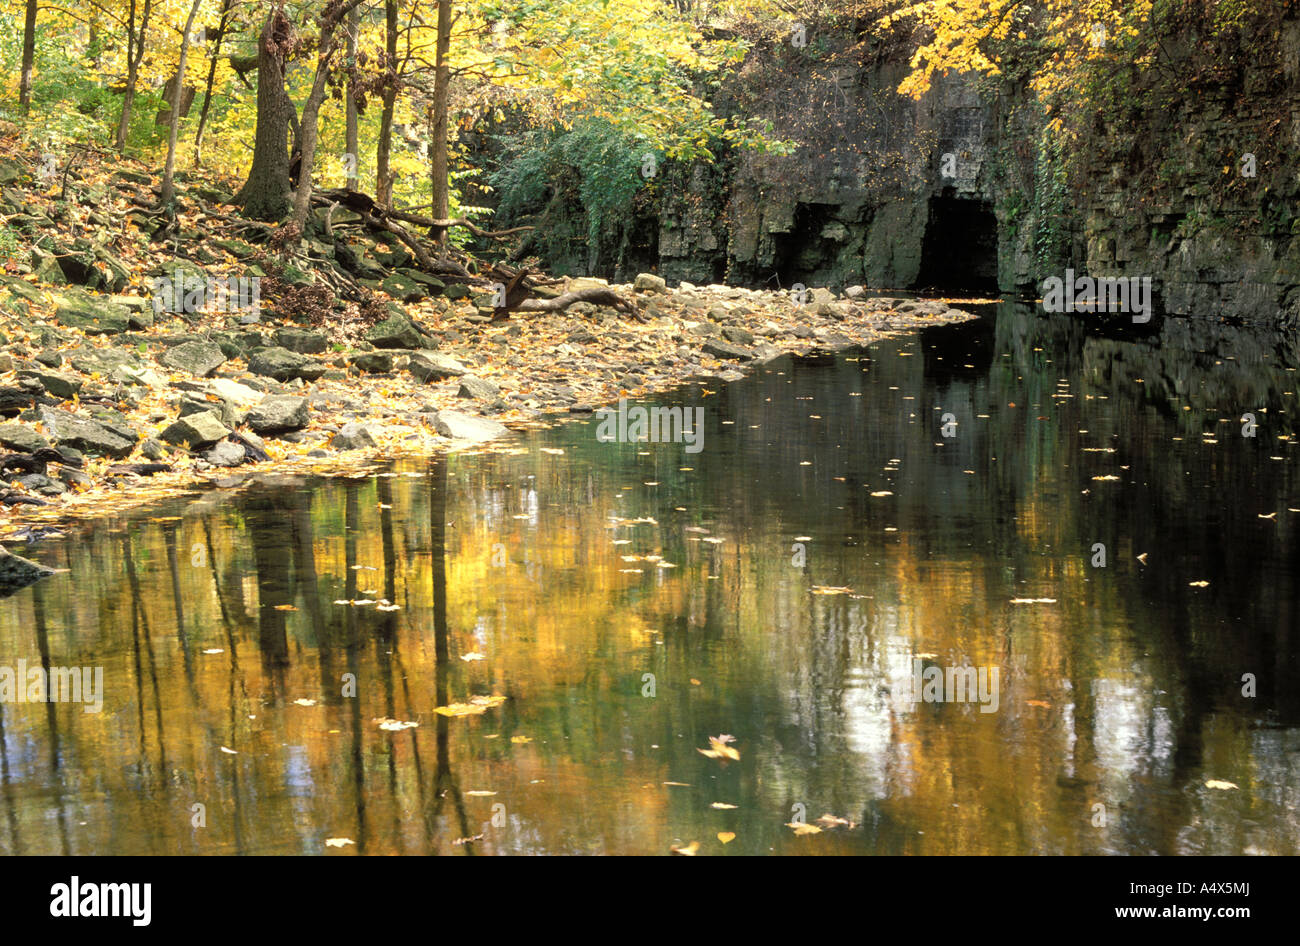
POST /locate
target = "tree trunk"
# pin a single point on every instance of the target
(168, 187)
(29, 57)
(265, 195)
(383, 152)
(212, 75)
(441, 86)
(329, 22)
(134, 56)
(351, 144)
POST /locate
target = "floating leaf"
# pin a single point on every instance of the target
(338, 842)
(800, 828)
(476, 706)
(722, 806)
(720, 749)
(686, 851)
(393, 725)
(726, 837)
(1220, 785)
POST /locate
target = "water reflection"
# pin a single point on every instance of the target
(631, 600)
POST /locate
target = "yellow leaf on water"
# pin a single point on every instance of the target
(726, 837)
(722, 806)
(475, 706)
(285, 607)
(338, 842)
(719, 748)
(1222, 786)
(800, 828)
(1199, 584)
(481, 793)
(687, 851)
(393, 725)
(521, 740)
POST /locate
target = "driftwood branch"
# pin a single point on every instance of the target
(596, 296)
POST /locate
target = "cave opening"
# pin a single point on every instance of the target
(960, 250)
(804, 255)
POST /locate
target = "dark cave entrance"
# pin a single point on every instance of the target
(960, 249)
(803, 255)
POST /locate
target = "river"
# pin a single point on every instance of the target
(1073, 516)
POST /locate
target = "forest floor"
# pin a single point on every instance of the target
(133, 368)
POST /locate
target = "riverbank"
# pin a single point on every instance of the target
(148, 412)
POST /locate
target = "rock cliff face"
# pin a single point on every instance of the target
(966, 189)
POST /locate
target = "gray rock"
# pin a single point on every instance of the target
(720, 349)
(60, 385)
(648, 282)
(372, 361)
(434, 366)
(91, 316)
(195, 431)
(17, 572)
(353, 437)
(86, 435)
(153, 450)
(284, 365)
(460, 426)
(740, 336)
(395, 332)
(226, 454)
(302, 341)
(278, 413)
(475, 387)
(42, 484)
(22, 438)
(198, 358)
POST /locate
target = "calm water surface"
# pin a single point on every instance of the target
(628, 601)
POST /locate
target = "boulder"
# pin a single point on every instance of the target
(475, 387)
(461, 426)
(90, 315)
(403, 287)
(22, 438)
(59, 385)
(17, 572)
(302, 341)
(353, 437)
(648, 282)
(88, 436)
(398, 331)
(738, 335)
(720, 349)
(278, 413)
(372, 361)
(226, 454)
(197, 358)
(195, 431)
(434, 366)
(284, 365)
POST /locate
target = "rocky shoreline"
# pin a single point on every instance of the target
(143, 353)
(97, 418)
